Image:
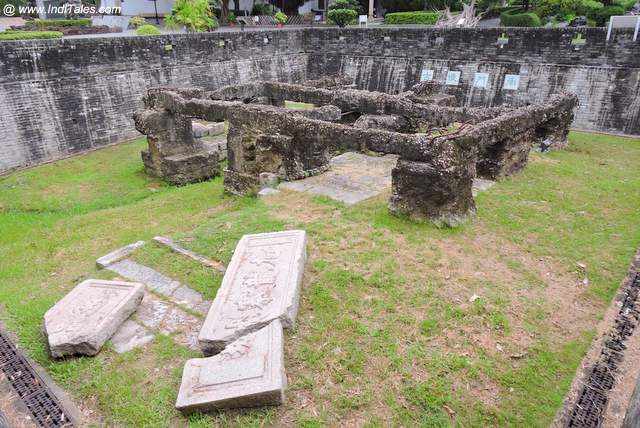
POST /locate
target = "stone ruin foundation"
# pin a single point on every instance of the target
(441, 148)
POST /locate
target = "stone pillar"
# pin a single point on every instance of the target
(505, 157)
(426, 191)
(173, 154)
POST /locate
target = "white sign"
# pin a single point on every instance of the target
(426, 75)
(453, 77)
(511, 81)
(480, 80)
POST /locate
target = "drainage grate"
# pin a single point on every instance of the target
(589, 409)
(43, 405)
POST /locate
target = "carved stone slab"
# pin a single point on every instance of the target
(89, 315)
(248, 373)
(262, 283)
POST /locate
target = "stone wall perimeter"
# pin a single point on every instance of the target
(67, 96)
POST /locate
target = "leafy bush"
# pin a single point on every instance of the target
(601, 16)
(626, 4)
(346, 4)
(194, 15)
(148, 30)
(231, 18)
(425, 5)
(567, 9)
(518, 19)
(342, 17)
(281, 18)
(51, 23)
(426, 18)
(26, 35)
(262, 9)
(137, 21)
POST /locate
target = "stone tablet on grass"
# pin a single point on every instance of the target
(262, 284)
(89, 315)
(248, 373)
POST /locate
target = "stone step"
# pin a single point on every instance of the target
(248, 373)
(118, 254)
(262, 284)
(162, 284)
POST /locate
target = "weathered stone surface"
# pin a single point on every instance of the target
(385, 122)
(118, 254)
(89, 315)
(129, 336)
(262, 284)
(268, 191)
(248, 373)
(352, 178)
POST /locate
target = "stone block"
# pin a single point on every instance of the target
(129, 336)
(262, 283)
(89, 315)
(118, 254)
(248, 373)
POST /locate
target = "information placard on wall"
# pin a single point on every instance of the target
(426, 75)
(453, 78)
(511, 82)
(480, 80)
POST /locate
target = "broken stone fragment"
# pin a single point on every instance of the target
(262, 283)
(118, 254)
(248, 373)
(89, 315)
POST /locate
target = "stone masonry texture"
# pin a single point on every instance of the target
(61, 97)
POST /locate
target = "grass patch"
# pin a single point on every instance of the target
(399, 324)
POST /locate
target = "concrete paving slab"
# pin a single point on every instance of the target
(129, 336)
(248, 373)
(153, 279)
(352, 178)
(83, 320)
(262, 283)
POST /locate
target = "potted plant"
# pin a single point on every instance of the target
(281, 19)
(231, 18)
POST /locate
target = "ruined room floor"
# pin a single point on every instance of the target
(400, 323)
(355, 177)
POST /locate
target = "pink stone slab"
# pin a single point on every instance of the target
(248, 373)
(262, 283)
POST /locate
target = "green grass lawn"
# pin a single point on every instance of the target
(399, 323)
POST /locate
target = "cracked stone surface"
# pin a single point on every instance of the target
(262, 284)
(248, 373)
(83, 320)
(352, 178)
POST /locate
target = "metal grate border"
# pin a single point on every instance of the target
(593, 398)
(33, 391)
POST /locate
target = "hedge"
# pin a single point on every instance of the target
(424, 18)
(515, 19)
(342, 17)
(50, 23)
(27, 35)
(602, 16)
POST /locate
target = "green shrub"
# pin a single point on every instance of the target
(26, 35)
(194, 15)
(137, 21)
(518, 19)
(346, 4)
(601, 16)
(425, 5)
(281, 18)
(567, 9)
(626, 4)
(342, 17)
(53, 23)
(262, 9)
(426, 18)
(231, 18)
(148, 30)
